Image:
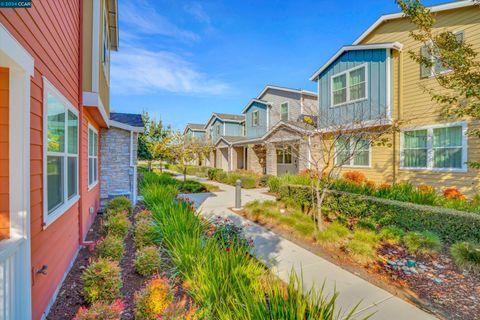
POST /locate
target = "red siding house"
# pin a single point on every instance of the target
(54, 106)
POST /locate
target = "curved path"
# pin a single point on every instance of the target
(283, 255)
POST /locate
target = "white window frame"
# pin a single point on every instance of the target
(284, 151)
(429, 129)
(49, 218)
(351, 163)
(288, 110)
(433, 59)
(253, 118)
(347, 73)
(95, 182)
(105, 42)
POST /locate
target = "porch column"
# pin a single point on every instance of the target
(271, 159)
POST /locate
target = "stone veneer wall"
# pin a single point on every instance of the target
(115, 172)
(253, 162)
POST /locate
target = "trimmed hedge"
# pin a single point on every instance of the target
(451, 225)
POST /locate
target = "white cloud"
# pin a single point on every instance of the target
(196, 10)
(137, 70)
(144, 18)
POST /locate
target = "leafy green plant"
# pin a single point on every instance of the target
(466, 255)
(305, 229)
(366, 224)
(422, 242)
(191, 186)
(212, 172)
(110, 247)
(102, 281)
(391, 234)
(363, 245)
(120, 204)
(335, 234)
(144, 233)
(147, 261)
(143, 215)
(273, 184)
(116, 225)
(101, 310)
(228, 234)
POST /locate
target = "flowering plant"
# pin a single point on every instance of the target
(355, 177)
(453, 194)
(101, 310)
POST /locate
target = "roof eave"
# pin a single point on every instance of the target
(390, 45)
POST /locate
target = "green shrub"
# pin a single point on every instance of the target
(120, 204)
(190, 186)
(116, 225)
(451, 225)
(334, 234)
(101, 310)
(147, 261)
(422, 242)
(302, 195)
(366, 224)
(143, 215)
(391, 234)
(102, 281)
(110, 247)
(466, 255)
(212, 173)
(144, 233)
(152, 302)
(305, 229)
(366, 236)
(273, 184)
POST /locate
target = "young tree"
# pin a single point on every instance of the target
(341, 141)
(445, 51)
(184, 150)
(147, 141)
(161, 150)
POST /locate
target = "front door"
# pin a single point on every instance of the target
(286, 162)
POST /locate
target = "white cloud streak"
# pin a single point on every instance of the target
(144, 18)
(196, 10)
(139, 71)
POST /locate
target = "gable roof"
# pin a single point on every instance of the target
(225, 117)
(252, 102)
(436, 8)
(386, 45)
(194, 127)
(229, 140)
(272, 87)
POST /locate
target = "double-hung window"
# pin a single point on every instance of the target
(255, 118)
(349, 86)
(92, 157)
(284, 111)
(435, 148)
(284, 155)
(61, 144)
(352, 152)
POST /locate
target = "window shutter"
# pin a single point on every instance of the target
(425, 71)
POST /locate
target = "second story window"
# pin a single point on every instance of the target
(349, 86)
(284, 111)
(106, 47)
(255, 118)
(438, 66)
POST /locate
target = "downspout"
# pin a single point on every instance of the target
(398, 113)
(81, 240)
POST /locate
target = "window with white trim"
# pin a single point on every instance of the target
(435, 148)
(106, 46)
(92, 156)
(352, 152)
(255, 118)
(284, 111)
(349, 86)
(61, 179)
(438, 66)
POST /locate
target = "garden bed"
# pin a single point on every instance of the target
(431, 281)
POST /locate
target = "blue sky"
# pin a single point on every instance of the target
(183, 60)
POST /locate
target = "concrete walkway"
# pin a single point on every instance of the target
(282, 256)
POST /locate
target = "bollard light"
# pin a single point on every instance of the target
(238, 194)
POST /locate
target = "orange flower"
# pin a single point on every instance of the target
(370, 184)
(384, 186)
(355, 177)
(453, 193)
(425, 188)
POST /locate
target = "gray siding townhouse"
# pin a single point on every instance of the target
(274, 121)
(222, 130)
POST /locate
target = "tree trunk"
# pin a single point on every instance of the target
(185, 173)
(149, 165)
(161, 166)
(320, 198)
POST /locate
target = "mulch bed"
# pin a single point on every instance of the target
(438, 286)
(70, 297)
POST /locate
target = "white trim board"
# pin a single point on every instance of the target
(388, 45)
(92, 99)
(124, 126)
(266, 103)
(392, 16)
(16, 298)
